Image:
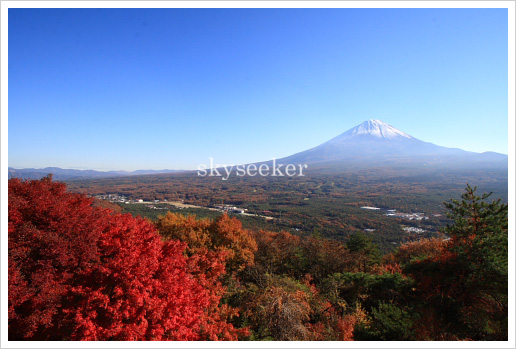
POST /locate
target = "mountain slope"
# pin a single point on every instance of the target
(374, 142)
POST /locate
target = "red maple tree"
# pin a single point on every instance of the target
(78, 272)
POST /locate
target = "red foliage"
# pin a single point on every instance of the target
(208, 267)
(213, 248)
(77, 272)
(392, 268)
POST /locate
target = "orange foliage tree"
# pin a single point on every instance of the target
(223, 235)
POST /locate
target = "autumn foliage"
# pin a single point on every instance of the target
(223, 235)
(463, 285)
(81, 271)
(78, 272)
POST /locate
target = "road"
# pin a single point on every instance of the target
(183, 205)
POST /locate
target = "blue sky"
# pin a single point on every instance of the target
(168, 88)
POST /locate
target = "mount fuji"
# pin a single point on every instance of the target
(374, 142)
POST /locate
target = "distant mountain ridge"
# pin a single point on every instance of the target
(376, 142)
(66, 174)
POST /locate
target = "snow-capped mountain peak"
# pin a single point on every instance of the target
(374, 141)
(378, 129)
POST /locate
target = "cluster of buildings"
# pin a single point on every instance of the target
(418, 216)
(392, 213)
(123, 199)
(414, 230)
(113, 198)
(233, 209)
(410, 216)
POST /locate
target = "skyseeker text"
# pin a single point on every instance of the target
(225, 171)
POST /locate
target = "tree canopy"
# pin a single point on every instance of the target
(78, 272)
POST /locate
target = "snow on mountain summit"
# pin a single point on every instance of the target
(376, 128)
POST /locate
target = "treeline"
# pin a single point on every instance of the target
(80, 271)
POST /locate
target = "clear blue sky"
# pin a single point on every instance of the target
(169, 88)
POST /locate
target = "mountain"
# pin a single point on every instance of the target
(66, 174)
(374, 142)
(371, 144)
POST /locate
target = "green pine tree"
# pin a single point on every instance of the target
(466, 286)
(362, 244)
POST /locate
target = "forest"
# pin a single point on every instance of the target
(81, 269)
(323, 203)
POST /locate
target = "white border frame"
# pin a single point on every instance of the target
(5, 5)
